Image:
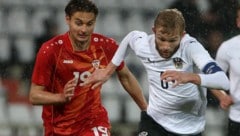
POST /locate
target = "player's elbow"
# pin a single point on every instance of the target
(225, 84)
(32, 98)
(217, 80)
(222, 81)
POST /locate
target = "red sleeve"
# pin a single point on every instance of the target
(44, 65)
(120, 66)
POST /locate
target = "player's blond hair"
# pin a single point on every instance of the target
(171, 20)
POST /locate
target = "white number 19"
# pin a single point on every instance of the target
(100, 131)
(81, 76)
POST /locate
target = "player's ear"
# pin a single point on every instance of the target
(67, 19)
(183, 33)
(154, 29)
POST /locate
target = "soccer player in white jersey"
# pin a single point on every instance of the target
(179, 70)
(228, 58)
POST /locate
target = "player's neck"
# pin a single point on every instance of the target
(80, 46)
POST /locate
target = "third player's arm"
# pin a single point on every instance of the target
(225, 100)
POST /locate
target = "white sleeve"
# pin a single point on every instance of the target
(133, 39)
(199, 55)
(213, 76)
(216, 80)
(222, 57)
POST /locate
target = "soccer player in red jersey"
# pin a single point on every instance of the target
(63, 63)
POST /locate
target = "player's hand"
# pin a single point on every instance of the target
(98, 77)
(68, 91)
(177, 77)
(225, 102)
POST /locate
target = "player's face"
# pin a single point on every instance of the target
(166, 44)
(81, 26)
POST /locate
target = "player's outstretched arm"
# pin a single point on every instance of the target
(100, 76)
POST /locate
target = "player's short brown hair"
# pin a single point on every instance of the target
(82, 6)
(171, 20)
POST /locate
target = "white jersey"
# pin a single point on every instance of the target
(180, 109)
(228, 58)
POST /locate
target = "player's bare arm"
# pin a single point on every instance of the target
(100, 76)
(225, 100)
(131, 85)
(38, 95)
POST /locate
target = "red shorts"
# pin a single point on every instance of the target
(98, 127)
(95, 131)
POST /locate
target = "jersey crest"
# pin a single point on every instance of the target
(178, 62)
(96, 64)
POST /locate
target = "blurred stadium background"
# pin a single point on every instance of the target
(22, 22)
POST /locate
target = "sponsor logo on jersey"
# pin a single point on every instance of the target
(96, 64)
(178, 62)
(143, 133)
(68, 61)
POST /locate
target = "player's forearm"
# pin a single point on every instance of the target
(225, 100)
(40, 97)
(214, 77)
(194, 78)
(133, 88)
(110, 69)
(45, 99)
(136, 93)
(219, 94)
(139, 98)
(216, 80)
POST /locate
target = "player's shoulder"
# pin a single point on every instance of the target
(190, 43)
(234, 41)
(53, 45)
(137, 33)
(189, 40)
(100, 39)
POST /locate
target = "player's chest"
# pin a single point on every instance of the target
(84, 61)
(176, 63)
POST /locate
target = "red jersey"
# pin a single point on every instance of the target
(55, 65)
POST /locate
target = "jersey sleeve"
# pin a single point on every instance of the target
(222, 57)
(43, 67)
(199, 54)
(209, 67)
(133, 39)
